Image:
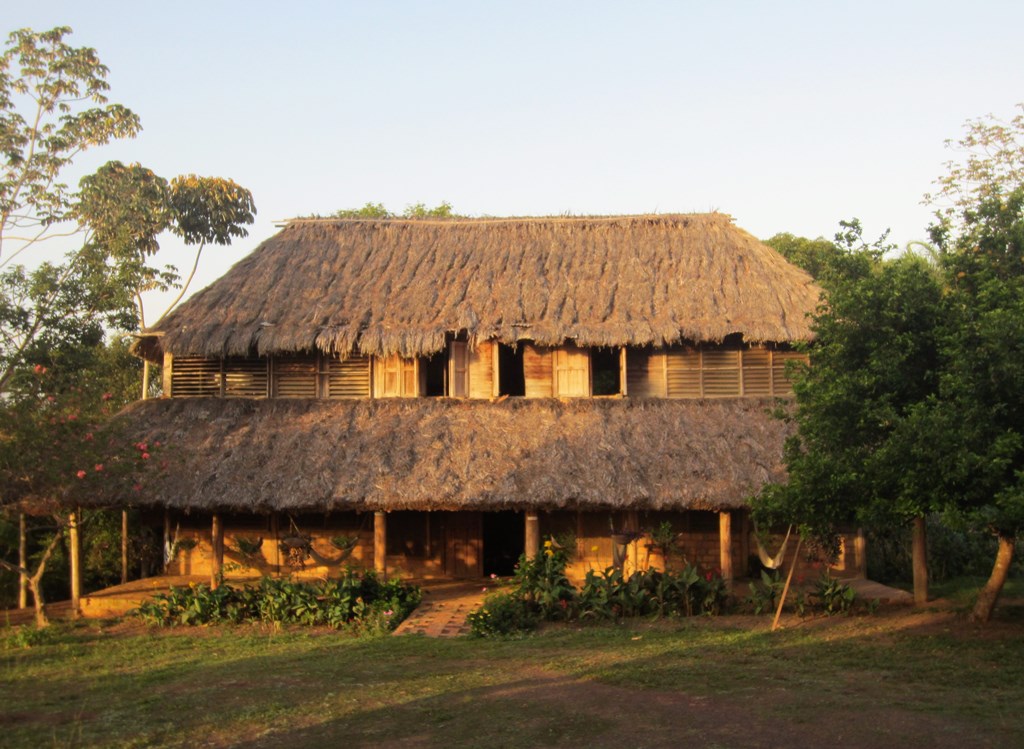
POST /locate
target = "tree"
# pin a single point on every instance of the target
(53, 107)
(873, 360)
(913, 399)
(119, 212)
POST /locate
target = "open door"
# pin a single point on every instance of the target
(463, 545)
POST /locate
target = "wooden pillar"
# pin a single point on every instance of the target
(275, 532)
(725, 546)
(217, 546)
(167, 540)
(919, 553)
(531, 545)
(380, 542)
(76, 563)
(124, 546)
(860, 545)
(22, 562)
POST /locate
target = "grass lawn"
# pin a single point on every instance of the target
(900, 678)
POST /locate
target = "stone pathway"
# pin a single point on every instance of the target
(444, 608)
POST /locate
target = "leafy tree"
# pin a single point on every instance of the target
(54, 316)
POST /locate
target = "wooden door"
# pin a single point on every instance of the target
(463, 544)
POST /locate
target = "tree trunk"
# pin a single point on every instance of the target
(22, 562)
(920, 560)
(989, 595)
(35, 581)
(124, 546)
(75, 558)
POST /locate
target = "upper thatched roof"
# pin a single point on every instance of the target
(399, 286)
(305, 455)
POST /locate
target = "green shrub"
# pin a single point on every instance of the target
(834, 597)
(504, 615)
(362, 602)
(765, 593)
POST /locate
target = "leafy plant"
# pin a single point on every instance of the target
(503, 615)
(764, 594)
(834, 596)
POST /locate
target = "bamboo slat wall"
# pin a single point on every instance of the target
(697, 372)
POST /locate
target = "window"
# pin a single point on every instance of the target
(728, 371)
(606, 371)
(511, 376)
(396, 377)
(572, 372)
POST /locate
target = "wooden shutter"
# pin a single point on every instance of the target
(346, 378)
(645, 373)
(294, 376)
(682, 373)
(481, 372)
(396, 377)
(245, 378)
(537, 371)
(193, 377)
(572, 372)
(458, 369)
(781, 384)
(757, 372)
(720, 373)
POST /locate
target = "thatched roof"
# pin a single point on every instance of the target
(305, 455)
(400, 286)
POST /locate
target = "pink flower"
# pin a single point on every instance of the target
(88, 437)
(484, 590)
(494, 576)
(156, 444)
(39, 369)
(98, 466)
(107, 396)
(137, 487)
(145, 456)
(81, 474)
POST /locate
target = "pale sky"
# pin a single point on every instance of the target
(789, 115)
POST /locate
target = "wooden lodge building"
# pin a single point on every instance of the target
(435, 397)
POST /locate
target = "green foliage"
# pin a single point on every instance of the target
(543, 593)
(360, 602)
(506, 614)
(834, 596)
(416, 210)
(765, 593)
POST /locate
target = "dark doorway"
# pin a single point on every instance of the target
(511, 379)
(503, 542)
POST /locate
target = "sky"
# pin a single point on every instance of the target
(789, 116)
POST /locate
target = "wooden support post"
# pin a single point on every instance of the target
(76, 563)
(217, 545)
(380, 542)
(919, 553)
(860, 546)
(275, 532)
(22, 562)
(124, 546)
(531, 545)
(725, 546)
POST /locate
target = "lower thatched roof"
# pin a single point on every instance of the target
(297, 455)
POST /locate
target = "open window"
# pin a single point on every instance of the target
(511, 375)
(606, 371)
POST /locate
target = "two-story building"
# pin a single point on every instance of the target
(435, 397)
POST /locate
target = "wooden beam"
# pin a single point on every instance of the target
(380, 542)
(76, 563)
(531, 545)
(725, 546)
(166, 375)
(217, 545)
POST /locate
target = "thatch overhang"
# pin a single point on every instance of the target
(440, 454)
(403, 286)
